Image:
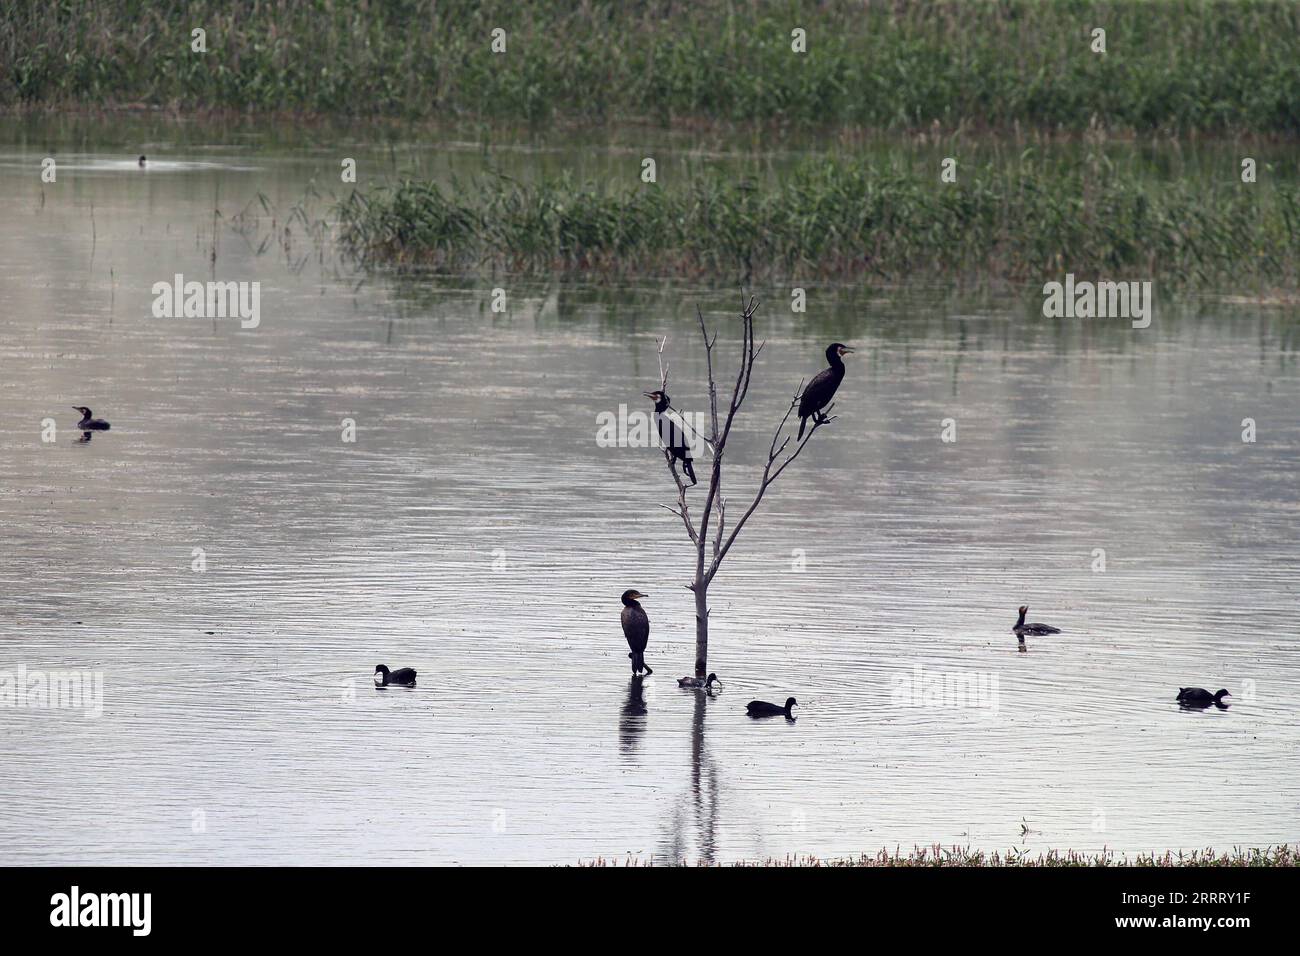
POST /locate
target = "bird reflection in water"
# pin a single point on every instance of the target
(632, 718)
(697, 812)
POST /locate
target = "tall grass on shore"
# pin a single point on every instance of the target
(836, 218)
(1208, 65)
(938, 856)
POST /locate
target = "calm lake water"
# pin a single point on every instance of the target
(475, 530)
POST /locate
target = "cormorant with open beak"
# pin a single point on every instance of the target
(636, 628)
(819, 392)
(672, 432)
(88, 423)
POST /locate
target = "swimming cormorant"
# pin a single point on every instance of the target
(1033, 630)
(404, 676)
(672, 432)
(1200, 697)
(89, 424)
(761, 708)
(819, 392)
(705, 682)
(636, 628)
(142, 162)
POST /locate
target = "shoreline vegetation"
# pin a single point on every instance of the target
(937, 856)
(837, 218)
(1180, 67)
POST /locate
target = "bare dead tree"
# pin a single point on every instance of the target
(709, 533)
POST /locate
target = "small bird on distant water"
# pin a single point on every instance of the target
(705, 682)
(89, 424)
(1033, 630)
(403, 676)
(761, 708)
(142, 162)
(636, 628)
(1200, 697)
(818, 393)
(672, 432)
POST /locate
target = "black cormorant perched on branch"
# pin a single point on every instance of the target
(89, 424)
(404, 676)
(672, 432)
(636, 628)
(761, 708)
(1200, 697)
(819, 392)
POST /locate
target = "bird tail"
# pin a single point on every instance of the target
(802, 422)
(690, 470)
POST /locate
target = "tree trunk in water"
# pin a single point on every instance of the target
(701, 628)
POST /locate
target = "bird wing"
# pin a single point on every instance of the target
(818, 392)
(673, 431)
(636, 628)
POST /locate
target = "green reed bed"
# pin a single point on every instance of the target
(835, 218)
(938, 856)
(1174, 65)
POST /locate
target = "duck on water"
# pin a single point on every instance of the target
(704, 682)
(761, 708)
(402, 677)
(1033, 630)
(1199, 698)
(88, 421)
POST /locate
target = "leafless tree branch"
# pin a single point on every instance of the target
(713, 512)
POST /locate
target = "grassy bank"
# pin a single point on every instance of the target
(837, 218)
(1180, 65)
(1282, 855)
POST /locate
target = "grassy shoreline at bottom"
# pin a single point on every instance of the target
(1279, 855)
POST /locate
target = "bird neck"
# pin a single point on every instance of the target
(1021, 619)
(833, 357)
(661, 406)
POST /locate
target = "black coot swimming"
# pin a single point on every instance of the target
(761, 708)
(636, 628)
(1200, 697)
(403, 676)
(818, 393)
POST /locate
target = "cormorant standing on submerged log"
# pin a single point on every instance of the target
(636, 628)
(819, 392)
(672, 432)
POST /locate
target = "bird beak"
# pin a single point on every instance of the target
(847, 349)
(648, 394)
